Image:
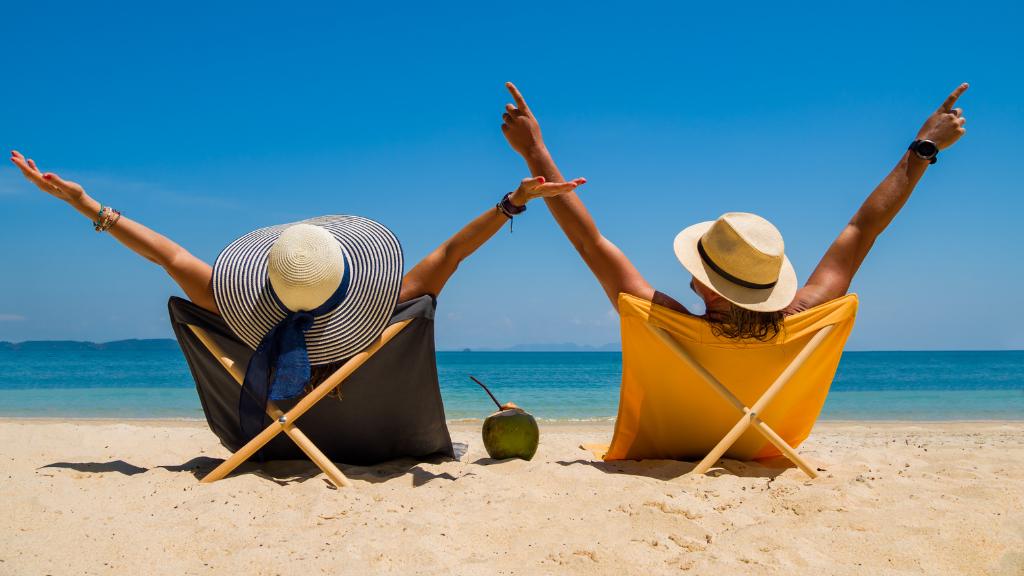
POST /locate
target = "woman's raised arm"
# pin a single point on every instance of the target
(192, 274)
(611, 267)
(433, 272)
(834, 273)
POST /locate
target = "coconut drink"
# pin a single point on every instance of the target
(511, 432)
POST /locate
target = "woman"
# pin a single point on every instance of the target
(194, 276)
(737, 262)
(307, 295)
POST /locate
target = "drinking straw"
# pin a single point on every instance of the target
(496, 403)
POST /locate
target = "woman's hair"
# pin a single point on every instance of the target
(317, 374)
(741, 324)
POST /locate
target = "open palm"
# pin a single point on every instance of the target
(48, 182)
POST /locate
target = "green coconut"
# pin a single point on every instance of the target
(511, 433)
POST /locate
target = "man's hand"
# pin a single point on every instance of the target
(538, 187)
(946, 125)
(520, 126)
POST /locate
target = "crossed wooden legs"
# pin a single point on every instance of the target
(750, 415)
(285, 421)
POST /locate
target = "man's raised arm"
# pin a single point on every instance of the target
(832, 278)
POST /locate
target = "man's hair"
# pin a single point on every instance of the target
(742, 324)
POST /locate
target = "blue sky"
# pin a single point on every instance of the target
(206, 121)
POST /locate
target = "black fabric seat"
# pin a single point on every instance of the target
(391, 406)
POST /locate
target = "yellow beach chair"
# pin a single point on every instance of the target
(688, 395)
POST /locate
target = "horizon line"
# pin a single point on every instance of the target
(513, 348)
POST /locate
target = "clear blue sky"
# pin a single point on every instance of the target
(205, 121)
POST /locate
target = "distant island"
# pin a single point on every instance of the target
(75, 345)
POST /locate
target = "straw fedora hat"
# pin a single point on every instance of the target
(339, 275)
(741, 256)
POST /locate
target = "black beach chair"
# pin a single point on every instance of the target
(390, 404)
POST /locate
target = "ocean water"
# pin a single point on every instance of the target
(156, 383)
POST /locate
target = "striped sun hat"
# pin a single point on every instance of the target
(352, 264)
(303, 294)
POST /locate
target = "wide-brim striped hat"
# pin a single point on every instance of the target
(368, 283)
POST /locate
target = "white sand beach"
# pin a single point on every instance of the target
(894, 498)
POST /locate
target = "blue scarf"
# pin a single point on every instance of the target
(283, 348)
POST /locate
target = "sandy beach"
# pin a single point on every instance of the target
(103, 497)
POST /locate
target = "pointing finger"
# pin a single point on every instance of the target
(520, 101)
(951, 99)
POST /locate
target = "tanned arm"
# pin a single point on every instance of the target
(192, 274)
(433, 272)
(832, 278)
(611, 267)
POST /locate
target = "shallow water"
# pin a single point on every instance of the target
(104, 383)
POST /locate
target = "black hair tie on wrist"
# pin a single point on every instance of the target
(509, 209)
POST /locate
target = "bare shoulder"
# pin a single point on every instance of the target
(666, 301)
(806, 298)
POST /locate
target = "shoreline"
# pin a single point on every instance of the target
(598, 421)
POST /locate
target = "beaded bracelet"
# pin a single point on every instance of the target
(106, 218)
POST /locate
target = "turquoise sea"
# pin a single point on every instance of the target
(76, 381)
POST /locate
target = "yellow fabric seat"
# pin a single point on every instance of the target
(668, 410)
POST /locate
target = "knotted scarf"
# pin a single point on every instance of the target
(282, 352)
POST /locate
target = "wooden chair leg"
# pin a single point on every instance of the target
(750, 419)
(307, 446)
(750, 415)
(319, 458)
(285, 422)
(724, 444)
(784, 447)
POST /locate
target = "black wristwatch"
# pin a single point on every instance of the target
(925, 150)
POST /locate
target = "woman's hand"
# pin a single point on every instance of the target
(47, 181)
(946, 125)
(520, 126)
(537, 187)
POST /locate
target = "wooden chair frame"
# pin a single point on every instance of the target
(750, 414)
(285, 421)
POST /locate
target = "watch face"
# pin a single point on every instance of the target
(927, 149)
